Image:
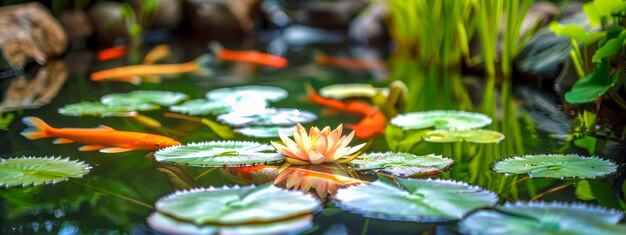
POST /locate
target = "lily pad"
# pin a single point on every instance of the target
(266, 131)
(165, 98)
(35, 171)
(219, 154)
(401, 164)
(414, 199)
(268, 116)
(237, 205)
(342, 91)
(441, 120)
(544, 218)
(478, 136)
(201, 107)
(233, 95)
(86, 108)
(556, 166)
(167, 225)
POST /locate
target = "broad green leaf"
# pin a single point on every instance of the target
(583, 191)
(86, 108)
(592, 86)
(5, 120)
(201, 107)
(266, 131)
(268, 116)
(610, 47)
(237, 205)
(167, 225)
(441, 120)
(598, 9)
(35, 171)
(543, 218)
(477, 136)
(588, 143)
(415, 200)
(351, 90)
(219, 154)
(576, 32)
(234, 95)
(401, 164)
(556, 166)
(165, 98)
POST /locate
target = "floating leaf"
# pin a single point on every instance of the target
(556, 166)
(441, 120)
(233, 95)
(26, 171)
(414, 200)
(201, 107)
(86, 108)
(236, 206)
(167, 225)
(543, 218)
(132, 98)
(266, 131)
(219, 153)
(401, 164)
(478, 136)
(342, 91)
(268, 116)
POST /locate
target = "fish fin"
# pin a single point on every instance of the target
(204, 63)
(215, 47)
(63, 141)
(90, 147)
(114, 150)
(152, 78)
(105, 127)
(157, 53)
(37, 128)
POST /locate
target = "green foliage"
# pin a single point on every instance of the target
(577, 33)
(478, 136)
(26, 171)
(223, 131)
(556, 166)
(401, 164)
(441, 120)
(5, 120)
(594, 85)
(219, 153)
(87, 108)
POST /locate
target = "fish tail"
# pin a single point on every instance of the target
(37, 128)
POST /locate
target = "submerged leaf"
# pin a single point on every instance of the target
(219, 153)
(350, 90)
(478, 136)
(167, 225)
(201, 107)
(441, 120)
(556, 166)
(267, 116)
(266, 131)
(27, 171)
(236, 206)
(543, 218)
(165, 98)
(86, 108)
(233, 95)
(414, 200)
(401, 164)
(223, 131)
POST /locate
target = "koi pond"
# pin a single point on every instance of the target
(264, 136)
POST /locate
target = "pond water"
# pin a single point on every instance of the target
(116, 196)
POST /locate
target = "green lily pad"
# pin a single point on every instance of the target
(167, 225)
(401, 164)
(237, 205)
(556, 166)
(544, 218)
(269, 116)
(414, 199)
(219, 154)
(441, 120)
(86, 108)
(35, 171)
(266, 131)
(477, 136)
(201, 107)
(165, 98)
(343, 91)
(233, 95)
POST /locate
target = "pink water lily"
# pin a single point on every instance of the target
(317, 146)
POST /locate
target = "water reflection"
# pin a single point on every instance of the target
(24, 93)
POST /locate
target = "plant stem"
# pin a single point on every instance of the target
(552, 190)
(129, 199)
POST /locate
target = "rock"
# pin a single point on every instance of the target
(30, 31)
(168, 15)
(77, 25)
(368, 28)
(333, 14)
(24, 93)
(220, 19)
(108, 21)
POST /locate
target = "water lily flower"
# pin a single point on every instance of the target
(317, 146)
(325, 178)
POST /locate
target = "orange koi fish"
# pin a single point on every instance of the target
(115, 52)
(253, 57)
(373, 123)
(103, 138)
(348, 63)
(149, 72)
